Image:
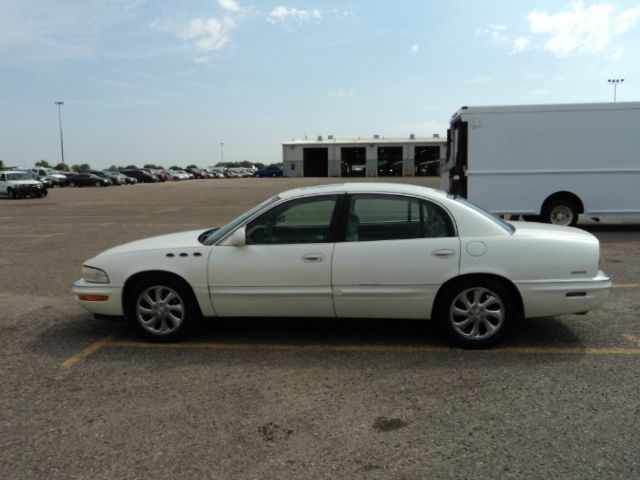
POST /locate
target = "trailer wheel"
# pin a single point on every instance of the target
(561, 211)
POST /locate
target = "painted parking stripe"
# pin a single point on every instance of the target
(110, 343)
(632, 339)
(376, 348)
(94, 347)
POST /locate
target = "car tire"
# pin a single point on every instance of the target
(561, 211)
(162, 308)
(476, 312)
(11, 193)
(72, 184)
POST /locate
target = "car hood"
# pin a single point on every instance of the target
(546, 230)
(173, 240)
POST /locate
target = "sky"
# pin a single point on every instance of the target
(168, 82)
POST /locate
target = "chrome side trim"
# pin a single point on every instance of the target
(601, 278)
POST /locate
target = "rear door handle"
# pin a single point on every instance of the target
(443, 253)
(313, 257)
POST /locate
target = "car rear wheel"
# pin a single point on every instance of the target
(162, 308)
(476, 312)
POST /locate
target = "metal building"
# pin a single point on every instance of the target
(363, 157)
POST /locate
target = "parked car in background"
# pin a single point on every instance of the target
(58, 179)
(161, 174)
(129, 180)
(115, 177)
(196, 172)
(215, 172)
(16, 184)
(87, 180)
(141, 176)
(45, 179)
(177, 175)
(354, 250)
(102, 174)
(271, 171)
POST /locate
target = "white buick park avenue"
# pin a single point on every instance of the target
(361, 250)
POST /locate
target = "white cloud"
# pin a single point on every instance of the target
(208, 34)
(496, 32)
(586, 30)
(230, 5)
(521, 44)
(626, 20)
(283, 14)
(414, 48)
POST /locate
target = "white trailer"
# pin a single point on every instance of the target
(548, 162)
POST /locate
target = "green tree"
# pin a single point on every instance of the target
(153, 166)
(85, 167)
(1, 165)
(113, 168)
(62, 167)
(43, 163)
(131, 167)
(193, 165)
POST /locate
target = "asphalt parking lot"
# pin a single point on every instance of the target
(296, 398)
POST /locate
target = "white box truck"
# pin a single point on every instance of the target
(547, 162)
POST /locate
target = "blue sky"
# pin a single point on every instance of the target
(167, 81)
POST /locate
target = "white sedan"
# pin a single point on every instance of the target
(364, 250)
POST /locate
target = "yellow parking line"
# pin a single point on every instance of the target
(94, 347)
(632, 338)
(627, 285)
(375, 348)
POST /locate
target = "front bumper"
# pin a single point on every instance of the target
(543, 298)
(91, 296)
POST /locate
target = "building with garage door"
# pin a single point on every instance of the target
(363, 157)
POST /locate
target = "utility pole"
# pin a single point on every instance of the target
(221, 152)
(59, 104)
(615, 82)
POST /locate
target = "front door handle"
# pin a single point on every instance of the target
(313, 257)
(443, 253)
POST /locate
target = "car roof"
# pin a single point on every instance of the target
(364, 187)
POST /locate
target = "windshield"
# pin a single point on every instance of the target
(507, 226)
(18, 176)
(229, 227)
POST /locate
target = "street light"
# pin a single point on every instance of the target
(59, 104)
(221, 152)
(615, 82)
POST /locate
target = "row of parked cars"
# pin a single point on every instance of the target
(35, 182)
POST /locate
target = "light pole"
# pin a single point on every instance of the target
(221, 152)
(615, 82)
(59, 104)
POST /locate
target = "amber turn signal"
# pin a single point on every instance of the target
(93, 298)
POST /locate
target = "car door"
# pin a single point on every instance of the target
(397, 252)
(285, 267)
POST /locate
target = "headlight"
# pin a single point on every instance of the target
(94, 275)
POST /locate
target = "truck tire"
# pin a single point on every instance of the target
(561, 211)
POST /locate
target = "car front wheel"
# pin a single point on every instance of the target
(162, 308)
(476, 313)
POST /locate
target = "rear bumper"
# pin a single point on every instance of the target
(91, 296)
(542, 298)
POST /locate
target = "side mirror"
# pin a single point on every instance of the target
(239, 237)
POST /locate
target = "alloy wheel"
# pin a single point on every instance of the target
(160, 310)
(477, 313)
